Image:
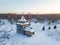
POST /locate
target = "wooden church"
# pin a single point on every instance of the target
(22, 24)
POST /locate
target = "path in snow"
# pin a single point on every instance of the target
(40, 38)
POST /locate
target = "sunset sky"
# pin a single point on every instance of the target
(33, 6)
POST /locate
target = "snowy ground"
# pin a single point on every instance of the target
(47, 37)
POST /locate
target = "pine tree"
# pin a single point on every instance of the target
(43, 28)
(49, 27)
(49, 23)
(55, 27)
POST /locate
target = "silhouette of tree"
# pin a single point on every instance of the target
(43, 28)
(49, 27)
(55, 27)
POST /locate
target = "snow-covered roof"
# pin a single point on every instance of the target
(33, 20)
(26, 23)
(22, 19)
(29, 29)
(20, 23)
(23, 23)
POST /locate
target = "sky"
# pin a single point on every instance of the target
(32, 6)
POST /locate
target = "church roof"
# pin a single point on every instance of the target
(22, 19)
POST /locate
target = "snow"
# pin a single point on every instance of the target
(47, 37)
(20, 23)
(33, 20)
(32, 30)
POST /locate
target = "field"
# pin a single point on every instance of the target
(41, 37)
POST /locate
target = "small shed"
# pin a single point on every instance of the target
(29, 31)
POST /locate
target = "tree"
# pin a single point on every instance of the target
(49, 23)
(43, 28)
(49, 27)
(55, 27)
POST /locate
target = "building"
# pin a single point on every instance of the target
(23, 27)
(21, 24)
(29, 31)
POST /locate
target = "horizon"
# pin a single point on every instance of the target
(32, 6)
(33, 13)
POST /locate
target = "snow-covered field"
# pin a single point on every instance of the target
(46, 37)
